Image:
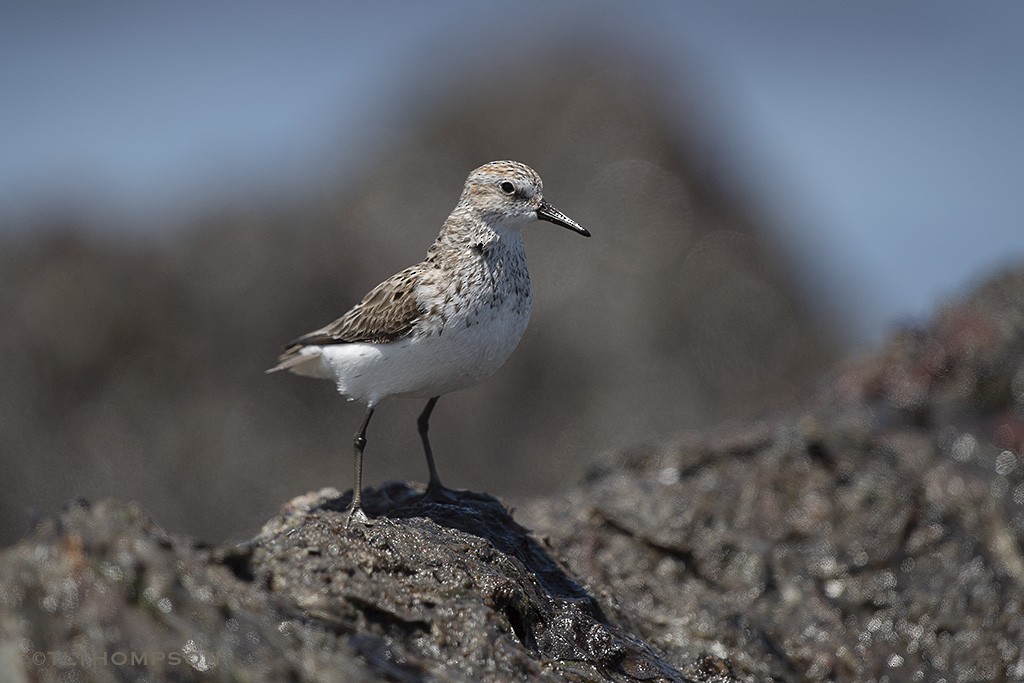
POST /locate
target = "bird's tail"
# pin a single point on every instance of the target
(301, 363)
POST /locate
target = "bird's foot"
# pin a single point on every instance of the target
(439, 493)
(357, 516)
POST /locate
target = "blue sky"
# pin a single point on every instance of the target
(884, 139)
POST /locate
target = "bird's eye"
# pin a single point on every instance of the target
(507, 187)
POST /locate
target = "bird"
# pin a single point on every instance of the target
(445, 324)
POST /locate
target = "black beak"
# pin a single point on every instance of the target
(546, 212)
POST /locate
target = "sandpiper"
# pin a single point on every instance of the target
(444, 324)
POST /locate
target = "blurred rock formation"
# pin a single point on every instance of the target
(135, 367)
(875, 533)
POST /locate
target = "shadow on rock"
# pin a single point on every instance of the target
(460, 578)
(456, 591)
(481, 515)
(875, 533)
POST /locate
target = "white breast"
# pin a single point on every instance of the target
(474, 319)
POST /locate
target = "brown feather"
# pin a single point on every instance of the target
(386, 314)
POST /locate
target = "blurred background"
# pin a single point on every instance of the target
(186, 186)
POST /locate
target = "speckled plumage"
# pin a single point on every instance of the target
(446, 323)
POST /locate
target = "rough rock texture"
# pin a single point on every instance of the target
(454, 592)
(875, 535)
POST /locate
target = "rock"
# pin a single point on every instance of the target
(430, 592)
(873, 534)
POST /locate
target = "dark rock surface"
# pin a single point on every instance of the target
(452, 592)
(875, 534)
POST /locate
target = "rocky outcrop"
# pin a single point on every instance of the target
(875, 534)
(453, 592)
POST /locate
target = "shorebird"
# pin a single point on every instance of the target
(444, 324)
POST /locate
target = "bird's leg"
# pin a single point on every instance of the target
(355, 512)
(435, 489)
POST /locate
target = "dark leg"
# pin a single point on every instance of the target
(355, 513)
(435, 489)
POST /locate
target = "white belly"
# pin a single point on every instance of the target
(474, 312)
(423, 365)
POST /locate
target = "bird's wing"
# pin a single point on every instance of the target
(386, 314)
